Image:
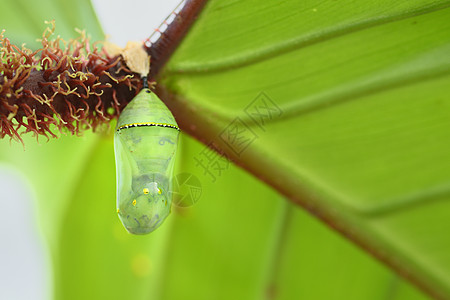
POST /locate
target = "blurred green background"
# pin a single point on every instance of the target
(364, 92)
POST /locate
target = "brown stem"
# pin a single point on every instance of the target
(163, 48)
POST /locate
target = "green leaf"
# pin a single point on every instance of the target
(360, 115)
(24, 20)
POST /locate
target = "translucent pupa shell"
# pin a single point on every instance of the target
(145, 144)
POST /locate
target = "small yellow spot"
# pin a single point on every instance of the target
(118, 210)
(145, 190)
(134, 202)
(159, 191)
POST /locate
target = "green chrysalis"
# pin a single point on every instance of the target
(145, 143)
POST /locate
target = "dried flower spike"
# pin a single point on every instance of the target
(65, 84)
